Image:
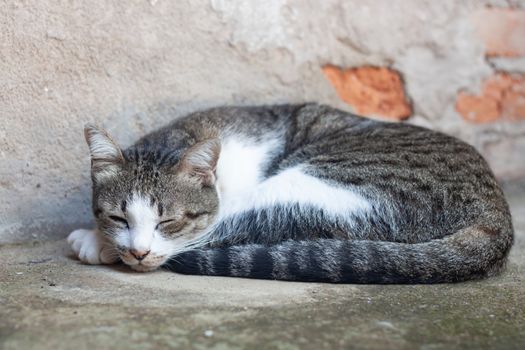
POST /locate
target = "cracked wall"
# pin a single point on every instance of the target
(133, 66)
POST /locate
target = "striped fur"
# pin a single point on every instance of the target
(469, 254)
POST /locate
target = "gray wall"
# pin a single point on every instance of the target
(133, 65)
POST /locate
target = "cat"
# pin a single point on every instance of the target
(296, 192)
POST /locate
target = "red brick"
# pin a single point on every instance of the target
(375, 91)
(501, 30)
(502, 97)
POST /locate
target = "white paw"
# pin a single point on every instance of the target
(91, 247)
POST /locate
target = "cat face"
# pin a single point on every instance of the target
(151, 210)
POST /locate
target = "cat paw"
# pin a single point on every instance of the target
(91, 248)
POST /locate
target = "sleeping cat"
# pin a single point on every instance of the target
(296, 192)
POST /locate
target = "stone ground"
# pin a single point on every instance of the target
(48, 300)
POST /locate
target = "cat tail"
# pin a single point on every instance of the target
(470, 253)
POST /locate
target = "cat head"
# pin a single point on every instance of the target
(149, 203)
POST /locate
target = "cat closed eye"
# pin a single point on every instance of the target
(165, 222)
(119, 220)
(170, 225)
(176, 225)
(195, 215)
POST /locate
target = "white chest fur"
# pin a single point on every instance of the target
(242, 186)
(239, 168)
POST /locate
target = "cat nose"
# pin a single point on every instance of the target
(139, 254)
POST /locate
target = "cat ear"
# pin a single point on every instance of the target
(106, 156)
(200, 161)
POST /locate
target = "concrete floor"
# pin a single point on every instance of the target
(48, 300)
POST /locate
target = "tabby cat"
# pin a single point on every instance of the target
(296, 192)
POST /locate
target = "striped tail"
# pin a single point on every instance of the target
(471, 253)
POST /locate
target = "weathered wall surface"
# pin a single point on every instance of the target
(131, 66)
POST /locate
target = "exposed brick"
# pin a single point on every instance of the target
(376, 91)
(502, 97)
(501, 30)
